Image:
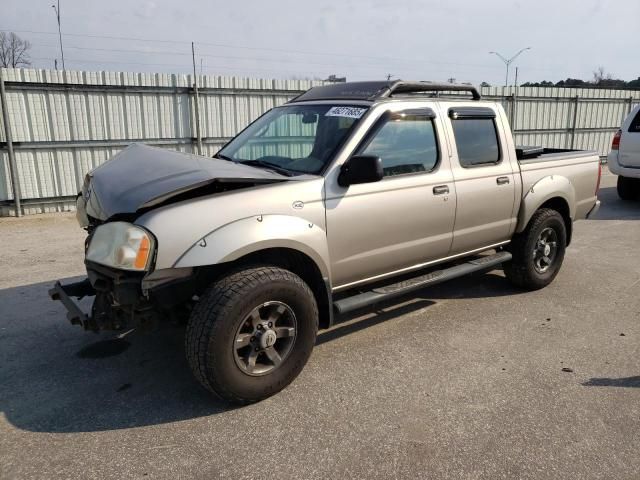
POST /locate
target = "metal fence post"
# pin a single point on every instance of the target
(13, 170)
(576, 100)
(196, 101)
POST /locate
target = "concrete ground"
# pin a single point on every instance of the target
(463, 381)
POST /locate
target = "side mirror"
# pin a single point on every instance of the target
(361, 169)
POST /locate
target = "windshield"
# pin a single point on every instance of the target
(298, 138)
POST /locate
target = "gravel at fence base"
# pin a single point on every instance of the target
(40, 247)
(471, 379)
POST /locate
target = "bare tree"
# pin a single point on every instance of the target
(600, 75)
(14, 52)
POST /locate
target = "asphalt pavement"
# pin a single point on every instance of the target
(473, 379)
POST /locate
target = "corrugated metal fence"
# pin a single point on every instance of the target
(65, 123)
(580, 118)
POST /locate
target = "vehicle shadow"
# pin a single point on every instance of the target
(57, 378)
(477, 285)
(632, 382)
(614, 208)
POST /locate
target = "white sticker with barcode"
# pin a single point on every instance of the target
(350, 112)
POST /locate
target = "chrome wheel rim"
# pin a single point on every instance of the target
(545, 250)
(265, 338)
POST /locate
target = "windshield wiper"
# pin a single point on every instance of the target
(271, 166)
(223, 157)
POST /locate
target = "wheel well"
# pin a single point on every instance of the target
(296, 262)
(561, 206)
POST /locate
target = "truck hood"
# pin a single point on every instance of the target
(141, 177)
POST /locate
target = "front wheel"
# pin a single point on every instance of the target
(628, 188)
(252, 333)
(538, 251)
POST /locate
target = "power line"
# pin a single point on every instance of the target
(385, 59)
(402, 65)
(230, 57)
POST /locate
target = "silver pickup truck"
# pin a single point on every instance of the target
(346, 196)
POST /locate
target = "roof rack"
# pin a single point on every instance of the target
(371, 91)
(419, 87)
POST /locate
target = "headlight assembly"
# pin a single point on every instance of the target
(121, 245)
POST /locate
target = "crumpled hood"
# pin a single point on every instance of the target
(141, 176)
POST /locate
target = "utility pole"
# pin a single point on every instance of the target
(516, 81)
(57, 10)
(508, 61)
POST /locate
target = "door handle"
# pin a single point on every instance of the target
(502, 180)
(440, 190)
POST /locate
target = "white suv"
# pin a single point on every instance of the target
(624, 158)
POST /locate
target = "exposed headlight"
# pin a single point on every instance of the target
(121, 245)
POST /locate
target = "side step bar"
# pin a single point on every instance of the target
(387, 292)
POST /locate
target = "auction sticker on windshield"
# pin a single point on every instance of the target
(351, 112)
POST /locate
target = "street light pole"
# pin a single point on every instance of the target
(508, 61)
(57, 10)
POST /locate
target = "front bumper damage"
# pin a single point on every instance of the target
(63, 293)
(119, 302)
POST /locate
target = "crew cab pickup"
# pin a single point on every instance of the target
(348, 195)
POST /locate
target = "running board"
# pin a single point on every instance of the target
(387, 292)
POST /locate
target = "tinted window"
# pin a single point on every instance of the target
(476, 140)
(405, 145)
(635, 124)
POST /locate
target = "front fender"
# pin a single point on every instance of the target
(553, 186)
(248, 235)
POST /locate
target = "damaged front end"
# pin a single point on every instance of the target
(118, 304)
(124, 299)
(120, 255)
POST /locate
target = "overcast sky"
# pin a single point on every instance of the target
(409, 39)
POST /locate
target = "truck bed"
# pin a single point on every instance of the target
(530, 154)
(580, 167)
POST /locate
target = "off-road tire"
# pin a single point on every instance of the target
(521, 270)
(212, 327)
(628, 188)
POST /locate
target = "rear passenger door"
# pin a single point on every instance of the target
(484, 178)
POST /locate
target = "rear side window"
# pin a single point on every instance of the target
(476, 141)
(635, 124)
(406, 144)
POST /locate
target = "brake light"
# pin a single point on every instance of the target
(615, 144)
(599, 177)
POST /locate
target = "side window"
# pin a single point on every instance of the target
(634, 127)
(406, 144)
(477, 141)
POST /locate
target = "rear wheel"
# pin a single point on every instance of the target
(628, 188)
(252, 333)
(538, 251)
